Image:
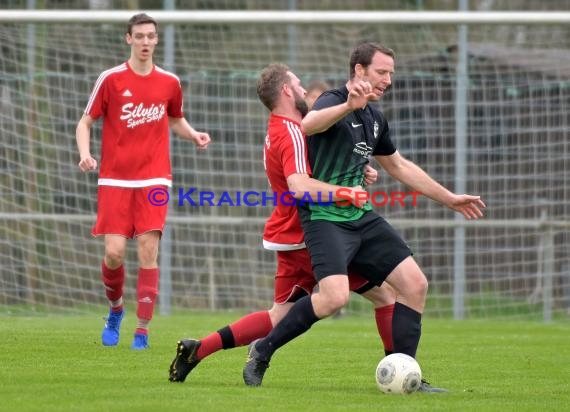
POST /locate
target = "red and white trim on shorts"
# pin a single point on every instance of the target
(158, 181)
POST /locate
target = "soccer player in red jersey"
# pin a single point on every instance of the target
(287, 169)
(138, 102)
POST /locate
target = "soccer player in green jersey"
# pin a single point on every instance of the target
(344, 130)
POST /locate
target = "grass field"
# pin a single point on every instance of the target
(58, 364)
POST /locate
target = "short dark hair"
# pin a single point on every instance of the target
(270, 81)
(364, 52)
(141, 18)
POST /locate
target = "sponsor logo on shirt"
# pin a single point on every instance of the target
(141, 114)
(362, 149)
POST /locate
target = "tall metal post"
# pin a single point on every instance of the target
(165, 294)
(460, 164)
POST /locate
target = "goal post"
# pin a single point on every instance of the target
(319, 17)
(516, 152)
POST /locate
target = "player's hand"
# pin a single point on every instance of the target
(201, 140)
(370, 175)
(87, 163)
(468, 205)
(360, 94)
(359, 196)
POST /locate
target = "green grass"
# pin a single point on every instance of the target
(58, 364)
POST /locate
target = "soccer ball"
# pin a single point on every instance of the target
(398, 373)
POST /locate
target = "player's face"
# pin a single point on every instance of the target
(300, 104)
(379, 73)
(143, 40)
(299, 95)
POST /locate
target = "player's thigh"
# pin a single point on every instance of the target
(147, 248)
(294, 277)
(331, 246)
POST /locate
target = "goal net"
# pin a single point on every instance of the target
(514, 263)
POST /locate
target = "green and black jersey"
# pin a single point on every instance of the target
(339, 154)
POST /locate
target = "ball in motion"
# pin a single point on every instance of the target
(398, 373)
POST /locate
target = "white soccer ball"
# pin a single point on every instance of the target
(398, 373)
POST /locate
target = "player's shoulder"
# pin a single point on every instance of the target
(113, 71)
(166, 74)
(283, 129)
(330, 98)
(339, 93)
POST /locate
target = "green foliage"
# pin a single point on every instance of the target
(58, 364)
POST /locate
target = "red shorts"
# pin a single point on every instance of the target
(129, 212)
(294, 277)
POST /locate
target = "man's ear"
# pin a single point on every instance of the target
(287, 89)
(359, 70)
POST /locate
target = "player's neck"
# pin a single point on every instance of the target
(141, 67)
(293, 115)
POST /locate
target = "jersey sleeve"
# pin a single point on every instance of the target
(294, 152)
(385, 146)
(98, 100)
(175, 104)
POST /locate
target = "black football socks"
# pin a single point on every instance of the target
(298, 320)
(406, 329)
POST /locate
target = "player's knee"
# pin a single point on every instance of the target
(420, 285)
(114, 257)
(334, 301)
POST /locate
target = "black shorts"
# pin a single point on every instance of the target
(369, 245)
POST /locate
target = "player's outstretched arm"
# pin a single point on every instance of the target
(468, 205)
(183, 129)
(415, 177)
(82, 136)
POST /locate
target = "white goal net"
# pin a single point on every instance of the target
(516, 155)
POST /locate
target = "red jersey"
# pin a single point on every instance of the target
(135, 150)
(284, 153)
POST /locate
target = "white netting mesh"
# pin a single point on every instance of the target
(517, 159)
